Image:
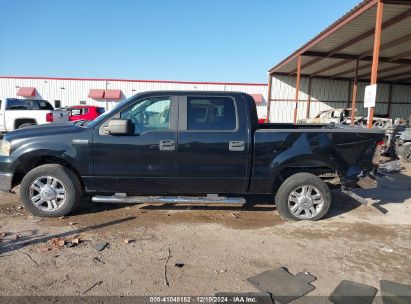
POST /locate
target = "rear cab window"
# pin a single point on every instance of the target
(211, 114)
(44, 105)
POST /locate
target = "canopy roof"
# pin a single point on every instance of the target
(333, 53)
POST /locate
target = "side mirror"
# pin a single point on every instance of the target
(118, 126)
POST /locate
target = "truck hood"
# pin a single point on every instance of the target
(44, 130)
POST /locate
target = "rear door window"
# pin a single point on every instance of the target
(211, 113)
(16, 104)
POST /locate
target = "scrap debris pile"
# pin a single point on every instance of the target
(56, 243)
(390, 167)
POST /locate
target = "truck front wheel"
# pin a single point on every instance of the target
(303, 196)
(50, 191)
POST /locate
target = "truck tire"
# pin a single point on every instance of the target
(50, 191)
(404, 152)
(25, 125)
(303, 196)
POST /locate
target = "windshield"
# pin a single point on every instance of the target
(105, 114)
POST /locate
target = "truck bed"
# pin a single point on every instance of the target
(283, 148)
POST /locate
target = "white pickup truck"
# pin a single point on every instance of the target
(22, 113)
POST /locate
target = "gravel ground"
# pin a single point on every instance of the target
(219, 246)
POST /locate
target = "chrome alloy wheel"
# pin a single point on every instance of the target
(305, 202)
(47, 193)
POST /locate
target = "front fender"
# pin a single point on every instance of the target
(74, 152)
(29, 158)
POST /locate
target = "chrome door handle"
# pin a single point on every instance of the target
(236, 145)
(167, 145)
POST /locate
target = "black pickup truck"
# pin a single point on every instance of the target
(179, 147)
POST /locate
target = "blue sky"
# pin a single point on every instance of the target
(193, 40)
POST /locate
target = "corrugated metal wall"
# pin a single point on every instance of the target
(327, 94)
(71, 92)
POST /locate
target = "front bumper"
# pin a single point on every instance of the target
(6, 181)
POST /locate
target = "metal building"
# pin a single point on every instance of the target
(63, 92)
(371, 44)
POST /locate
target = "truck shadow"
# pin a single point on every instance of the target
(340, 204)
(392, 188)
(255, 203)
(31, 237)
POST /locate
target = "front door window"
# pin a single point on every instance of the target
(151, 114)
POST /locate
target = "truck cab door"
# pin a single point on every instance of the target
(144, 162)
(213, 146)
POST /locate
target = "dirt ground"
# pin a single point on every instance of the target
(219, 246)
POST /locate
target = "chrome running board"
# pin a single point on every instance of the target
(120, 198)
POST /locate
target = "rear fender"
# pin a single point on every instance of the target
(306, 164)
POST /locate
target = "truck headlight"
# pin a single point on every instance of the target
(5, 148)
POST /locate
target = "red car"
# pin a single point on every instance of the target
(85, 112)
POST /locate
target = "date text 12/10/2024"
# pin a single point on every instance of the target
(206, 299)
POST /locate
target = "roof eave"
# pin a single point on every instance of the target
(353, 13)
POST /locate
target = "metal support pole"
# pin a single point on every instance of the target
(297, 87)
(267, 118)
(307, 114)
(376, 54)
(354, 94)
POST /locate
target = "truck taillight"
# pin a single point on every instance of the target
(49, 117)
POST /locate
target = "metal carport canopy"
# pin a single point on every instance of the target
(352, 41)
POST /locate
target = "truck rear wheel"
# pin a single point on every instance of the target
(50, 191)
(303, 196)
